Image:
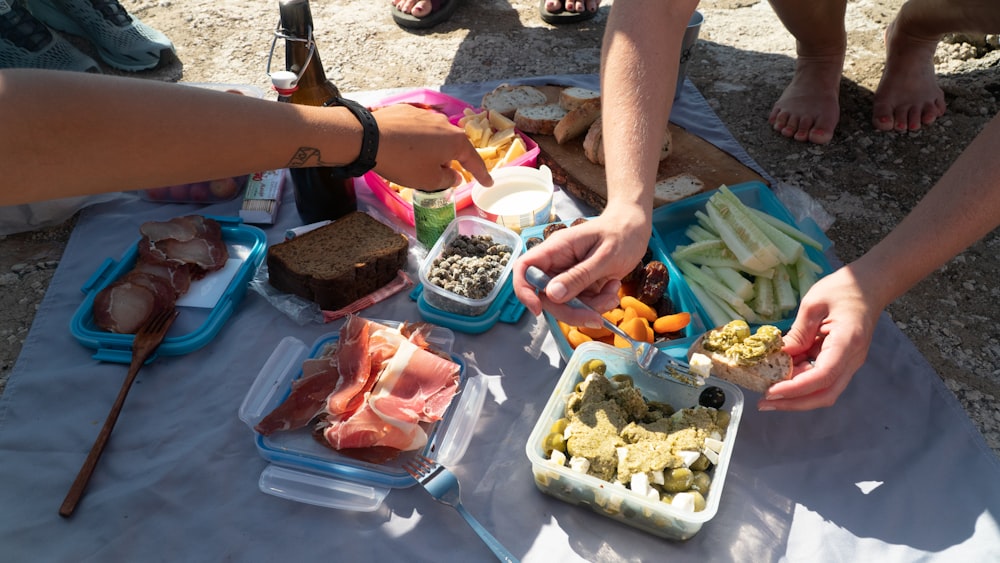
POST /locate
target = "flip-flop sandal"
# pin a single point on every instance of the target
(563, 17)
(441, 10)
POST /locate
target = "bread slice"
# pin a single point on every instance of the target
(577, 121)
(538, 119)
(574, 96)
(339, 263)
(668, 142)
(773, 368)
(593, 143)
(505, 99)
(676, 188)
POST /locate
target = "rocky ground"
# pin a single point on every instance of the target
(866, 181)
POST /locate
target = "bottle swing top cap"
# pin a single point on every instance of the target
(285, 81)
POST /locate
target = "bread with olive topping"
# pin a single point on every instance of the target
(757, 372)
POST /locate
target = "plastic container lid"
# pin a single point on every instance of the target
(505, 308)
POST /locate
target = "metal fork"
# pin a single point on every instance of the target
(442, 484)
(147, 339)
(651, 359)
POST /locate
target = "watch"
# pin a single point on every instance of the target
(369, 137)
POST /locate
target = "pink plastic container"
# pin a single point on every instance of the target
(453, 108)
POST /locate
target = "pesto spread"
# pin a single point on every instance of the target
(740, 346)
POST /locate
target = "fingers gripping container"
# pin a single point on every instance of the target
(458, 312)
(303, 470)
(613, 501)
(453, 108)
(678, 292)
(670, 221)
(203, 310)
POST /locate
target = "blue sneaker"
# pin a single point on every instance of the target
(122, 40)
(25, 42)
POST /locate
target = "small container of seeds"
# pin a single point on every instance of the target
(469, 265)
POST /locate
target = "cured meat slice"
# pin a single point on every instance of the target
(183, 228)
(123, 306)
(365, 428)
(207, 254)
(179, 276)
(354, 365)
(306, 399)
(415, 385)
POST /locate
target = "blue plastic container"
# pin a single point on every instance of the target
(677, 290)
(670, 222)
(504, 308)
(195, 326)
(303, 470)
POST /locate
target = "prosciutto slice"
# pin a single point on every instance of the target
(415, 385)
(365, 428)
(307, 398)
(354, 365)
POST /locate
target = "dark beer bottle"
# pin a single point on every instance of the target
(321, 193)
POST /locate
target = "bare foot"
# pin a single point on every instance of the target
(556, 6)
(809, 108)
(908, 95)
(416, 8)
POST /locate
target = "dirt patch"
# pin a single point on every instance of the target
(867, 181)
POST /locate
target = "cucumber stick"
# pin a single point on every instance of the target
(750, 245)
(788, 229)
(734, 281)
(718, 289)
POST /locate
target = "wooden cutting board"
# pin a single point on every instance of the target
(689, 154)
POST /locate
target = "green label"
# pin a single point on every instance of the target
(430, 222)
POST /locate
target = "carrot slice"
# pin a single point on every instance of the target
(672, 323)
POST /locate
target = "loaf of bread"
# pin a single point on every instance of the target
(539, 119)
(574, 96)
(577, 120)
(505, 99)
(339, 263)
(757, 376)
(593, 143)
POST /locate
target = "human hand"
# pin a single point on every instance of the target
(828, 342)
(586, 261)
(416, 147)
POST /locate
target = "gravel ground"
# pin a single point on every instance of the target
(866, 181)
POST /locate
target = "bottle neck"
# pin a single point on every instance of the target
(313, 88)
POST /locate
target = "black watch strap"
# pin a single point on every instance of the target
(369, 138)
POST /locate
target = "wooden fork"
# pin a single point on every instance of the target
(147, 339)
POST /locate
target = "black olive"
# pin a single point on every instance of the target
(712, 397)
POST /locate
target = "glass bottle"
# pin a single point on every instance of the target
(432, 213)
(321, 193)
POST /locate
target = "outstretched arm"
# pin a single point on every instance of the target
(640, 59)
(837, 317)
(70, 133)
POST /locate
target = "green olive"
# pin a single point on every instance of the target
(702, 482)
(699, 501)
(623, 380)
(722, 419)
(554, 441)
(593, 366)
(678, 480)
(700, 464)
(559, 426)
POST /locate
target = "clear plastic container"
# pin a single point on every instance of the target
(615, 502)
(303, 470)
(445, 300)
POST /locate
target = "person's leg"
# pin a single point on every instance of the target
(908, 95)
(809, 108)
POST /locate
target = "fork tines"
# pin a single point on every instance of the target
(420, 466)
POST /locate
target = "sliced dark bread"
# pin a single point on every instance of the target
(339, 263)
